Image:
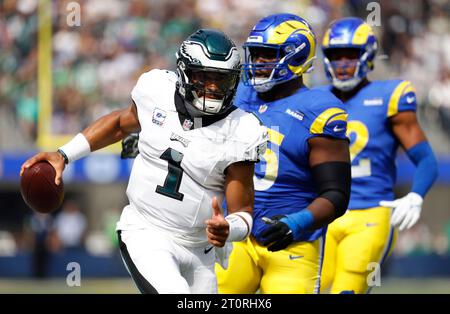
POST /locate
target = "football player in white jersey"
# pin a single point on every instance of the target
(195, 149)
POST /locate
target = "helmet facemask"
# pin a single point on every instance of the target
(208, 90)
(208, 65)
(263, 76)
(338, 70)
(349, 43)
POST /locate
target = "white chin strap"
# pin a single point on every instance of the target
(212, 106)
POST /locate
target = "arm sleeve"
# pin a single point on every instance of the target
(333, 181)
(426, 167)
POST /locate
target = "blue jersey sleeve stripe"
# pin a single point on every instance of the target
(321, 121)
(338, 117)
(403, 88)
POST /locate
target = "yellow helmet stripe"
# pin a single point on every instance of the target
(280, 33)
(362, 34)
(326, 39)
(312, 51)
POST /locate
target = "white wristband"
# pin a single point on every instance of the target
(77, 148)
(241, 224)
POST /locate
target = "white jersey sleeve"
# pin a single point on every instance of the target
(153, 87)
(248, 140)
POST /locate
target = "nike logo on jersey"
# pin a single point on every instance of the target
(292, 257)
(262, 108)
(208, 250)
(159, 116)
(410, 100)
(338, 129)
(373, 102)
(176, 137)
(371, 224)
(296, 114)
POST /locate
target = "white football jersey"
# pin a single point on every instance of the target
(178, 171)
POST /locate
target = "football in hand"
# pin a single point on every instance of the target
(39, 190)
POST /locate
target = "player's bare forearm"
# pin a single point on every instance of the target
(239, 194)
(327, 149)
(239, 190)
(112, 127)
(103, 132)
(407, 129)
(330, 163)
(323, 211)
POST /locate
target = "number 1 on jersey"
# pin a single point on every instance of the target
(173, 179)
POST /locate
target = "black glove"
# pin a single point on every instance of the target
(278, 233)
(130, 146)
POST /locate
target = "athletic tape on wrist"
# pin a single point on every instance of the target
(76, 148)
(240, 226)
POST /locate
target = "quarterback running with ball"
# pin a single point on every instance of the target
(196, 149)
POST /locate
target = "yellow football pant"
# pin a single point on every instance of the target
(295, 269)
(354, 242)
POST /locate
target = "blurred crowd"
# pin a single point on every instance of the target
(96, 64)
(68, 231)
(45, 234)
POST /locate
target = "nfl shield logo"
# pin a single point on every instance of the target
(187, 124)
(159, 116)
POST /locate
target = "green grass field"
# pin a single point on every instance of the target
(105, 286)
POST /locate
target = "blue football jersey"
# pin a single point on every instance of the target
(283, 181)
(373, 145)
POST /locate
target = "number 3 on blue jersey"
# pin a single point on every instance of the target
(271, 158)
(361, 135)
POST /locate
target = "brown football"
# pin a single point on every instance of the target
(39, 190)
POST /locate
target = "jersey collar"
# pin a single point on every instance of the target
(187, 121)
